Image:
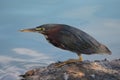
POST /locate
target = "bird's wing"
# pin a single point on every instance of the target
(78, 41)
(70, 41)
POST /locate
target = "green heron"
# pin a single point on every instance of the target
(70, 38)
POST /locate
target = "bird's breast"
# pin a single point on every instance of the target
(54, 41)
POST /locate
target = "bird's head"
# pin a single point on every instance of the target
(44, 29)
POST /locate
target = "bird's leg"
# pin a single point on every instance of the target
(80, 57)
(69, 61)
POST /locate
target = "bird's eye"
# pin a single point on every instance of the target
(41, 29)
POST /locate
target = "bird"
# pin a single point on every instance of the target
(70, 38)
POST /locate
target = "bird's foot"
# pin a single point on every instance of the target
(67, 62)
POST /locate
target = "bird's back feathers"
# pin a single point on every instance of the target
(78, 41)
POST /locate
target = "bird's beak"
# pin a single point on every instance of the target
(28, 30)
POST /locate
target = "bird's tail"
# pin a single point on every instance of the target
(104, 49)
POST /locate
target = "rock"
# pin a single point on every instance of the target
(86, 70)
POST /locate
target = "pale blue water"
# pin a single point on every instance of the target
(23, 51)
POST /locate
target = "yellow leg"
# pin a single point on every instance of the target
(69, 61)
(80, 58)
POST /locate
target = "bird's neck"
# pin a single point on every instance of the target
(53, 31)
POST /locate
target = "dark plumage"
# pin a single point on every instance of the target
(70, 38)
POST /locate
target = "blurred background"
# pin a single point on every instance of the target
(22, 51)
